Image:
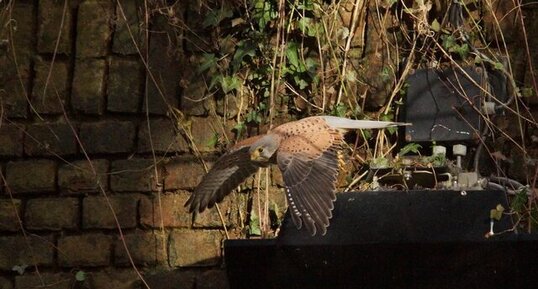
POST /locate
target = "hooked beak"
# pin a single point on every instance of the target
(255, 156)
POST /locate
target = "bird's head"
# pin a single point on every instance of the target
(264, 149)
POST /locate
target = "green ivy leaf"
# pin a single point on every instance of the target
(239, 128)
(208, 61)
(244, 48)
(436, 26)
(292, 54)
(254, 225)
(379, 163)
(448, 41)
(340, 109)
(213, 141)
(307, 26)
(19, 268)
(311, 65)
(264, 11)
(410, 148)
(351, 76)
(215, 16)
(80, 276)
(498, 66)
(229, 83)
(215, 79)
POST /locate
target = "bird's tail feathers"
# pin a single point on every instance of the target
(346, 123)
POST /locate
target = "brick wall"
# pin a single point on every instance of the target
(80, 120)
(88, 145)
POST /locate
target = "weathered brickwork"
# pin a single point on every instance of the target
(16, 80)
(10, 211)
(108, 137)
(52, 213)
(138, 175)
(97, 168)
(166, 211)
(160, 135)
(94, 28)
(85, 250)
(206, 244)
(11, 137)
(124, 85)
(32, 176)
(46, 280)
(97, 213)
(147, 248)
(30, 250)
(84, 176)
(51, 15)
(50, 89)
(88, 93)
(49, 139)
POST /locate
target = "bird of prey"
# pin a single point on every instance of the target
(306, 152)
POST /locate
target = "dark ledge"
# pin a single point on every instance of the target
(393, 239)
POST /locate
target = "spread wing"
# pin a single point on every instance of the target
(227, 173)
(310, 175)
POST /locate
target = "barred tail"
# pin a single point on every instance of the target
(346, 123)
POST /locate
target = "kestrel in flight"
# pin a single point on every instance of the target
(306, 152)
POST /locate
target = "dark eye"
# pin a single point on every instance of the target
(260, 149)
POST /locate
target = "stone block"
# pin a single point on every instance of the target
(50, 90)
(15, 81)
(49, 139)
(195, 98)
(127, 33)
(50, 26)
(52, 213)
(195, 248)
(22, 30)
(94, 28)
(134, 175)
(11, 138)
(78, 176)
(5, 283)
(211, 279)
(125, 83)
(9, 210)
(171, 279)
(182, 174)
(162, 88)
(87, 250)
(162, 133)
(108, 136)
(88, 92)
(19, 250)
(14, 95)
(228, 106)
(347, 16)
(31, 176)
(166, 212)
(146, 248)
(45, 280)
(117, 279)
(500, 24)
(203, 131)
(96, 212)
(210, 217)
(200, 35)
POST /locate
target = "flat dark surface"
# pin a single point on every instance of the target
(416, 239)
(444, 105)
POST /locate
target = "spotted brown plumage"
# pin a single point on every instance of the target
(306, 151)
